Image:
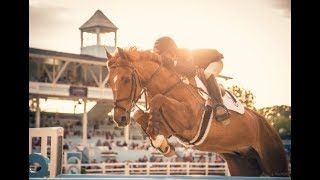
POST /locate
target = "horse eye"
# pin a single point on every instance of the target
(127, 80)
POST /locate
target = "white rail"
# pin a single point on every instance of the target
(151, 168)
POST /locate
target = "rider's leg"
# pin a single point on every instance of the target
(221, 112)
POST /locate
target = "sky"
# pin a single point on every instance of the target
(253, 35)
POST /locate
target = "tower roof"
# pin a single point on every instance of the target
(98, 20)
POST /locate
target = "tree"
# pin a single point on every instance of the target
(283, 126)
(280, 118)
(246, 97)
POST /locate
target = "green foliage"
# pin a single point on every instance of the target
(270, 113)
(283, 122)
(280, 118)
(244, 96)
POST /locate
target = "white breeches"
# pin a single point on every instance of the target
(213, 68)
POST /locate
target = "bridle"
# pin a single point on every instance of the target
(133, 98)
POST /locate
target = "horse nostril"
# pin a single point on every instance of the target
(123, 119)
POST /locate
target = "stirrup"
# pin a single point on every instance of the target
(223, 116)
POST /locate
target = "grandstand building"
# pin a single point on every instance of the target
(77, 80)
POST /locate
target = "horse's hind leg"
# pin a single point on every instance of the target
(242, 166)
(271, 152)
(273, 158)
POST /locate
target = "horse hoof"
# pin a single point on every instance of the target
(171, 151)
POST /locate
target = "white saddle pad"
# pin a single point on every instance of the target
(227, 99)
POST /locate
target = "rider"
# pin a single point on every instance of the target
(174, 57)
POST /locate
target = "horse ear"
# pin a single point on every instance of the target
(122, 53)
(109, 56)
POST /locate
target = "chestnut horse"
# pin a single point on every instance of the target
(250, 146)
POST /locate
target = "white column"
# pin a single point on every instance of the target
(81, 39)
(38, 113)
(115, 39)
(84, 123)
(100, 77)
(126, 134)
(98, 36)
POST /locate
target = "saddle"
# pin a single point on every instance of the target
(229, 100)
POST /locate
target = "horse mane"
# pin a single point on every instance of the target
(133, 54)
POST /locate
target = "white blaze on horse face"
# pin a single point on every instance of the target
(115, 82)
(115, 78)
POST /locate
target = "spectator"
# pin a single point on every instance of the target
(153, 158)
(99, 143)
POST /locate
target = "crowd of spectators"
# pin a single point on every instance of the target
(113, 139)
(67, 78)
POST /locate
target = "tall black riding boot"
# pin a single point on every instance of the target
(220, 110)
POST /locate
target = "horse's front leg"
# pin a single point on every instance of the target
(180, 118)
(163, 145)
(176, 118)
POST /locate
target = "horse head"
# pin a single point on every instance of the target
(125, 85)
